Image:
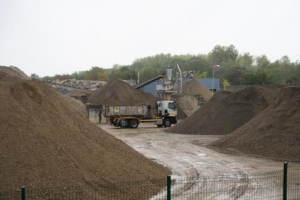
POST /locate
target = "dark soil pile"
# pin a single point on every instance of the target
(201, 119)
(273, 133)
(45, 143)
(220, 116)
(194, 87)
(180, 113)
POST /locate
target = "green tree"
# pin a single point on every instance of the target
(201, 75)
(222, 55)
(124, 73)
(262, 62)
(225, 83)
(97, 73)
(235, 75)
(81, 75)
(291, 80)
(245, 61)
(257, 78)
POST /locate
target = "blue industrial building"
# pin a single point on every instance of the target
(207, 82)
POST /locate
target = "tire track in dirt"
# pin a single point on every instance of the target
(189, 159)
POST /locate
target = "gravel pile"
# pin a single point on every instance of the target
(226, 111)
(46, 143)
(194, 87)
(273, 133)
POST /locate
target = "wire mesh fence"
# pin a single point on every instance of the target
(118, 191)
(293, 181)
(243, 186)
(261, 186)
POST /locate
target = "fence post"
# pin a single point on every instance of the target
(168, 187)
(285, 166)
(23, 193)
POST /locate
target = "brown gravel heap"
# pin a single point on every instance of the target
(46, 143)
(194, 87)
(225, 112)
(274, 133)
(117, 92)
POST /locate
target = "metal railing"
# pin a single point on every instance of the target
(283, 184)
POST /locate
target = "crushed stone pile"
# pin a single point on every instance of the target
(225, 111)
(194, 87)
(274, 133)
(46, 143)
(119, 93)
(78, 84)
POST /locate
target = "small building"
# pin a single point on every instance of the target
(95, 113)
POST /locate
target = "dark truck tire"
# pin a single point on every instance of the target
(133, 123)
(167, 123)
(123, 123)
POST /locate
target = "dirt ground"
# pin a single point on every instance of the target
(188, 155)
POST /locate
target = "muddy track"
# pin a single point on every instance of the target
(191, 162)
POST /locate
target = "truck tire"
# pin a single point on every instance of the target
(167, 122)
(133, 123)
(123, 123)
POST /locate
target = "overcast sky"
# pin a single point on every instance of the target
(49, 37)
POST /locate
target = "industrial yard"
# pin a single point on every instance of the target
(45, 142)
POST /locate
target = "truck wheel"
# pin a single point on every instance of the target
(167, 123)
(133, 123)
(123, 123)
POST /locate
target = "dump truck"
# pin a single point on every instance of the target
(132, 116)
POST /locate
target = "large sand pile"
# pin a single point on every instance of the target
(117, 92)
(194, 87)
(223, 114)
(273, 133)
(44, 143)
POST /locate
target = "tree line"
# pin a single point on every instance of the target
(235, 68)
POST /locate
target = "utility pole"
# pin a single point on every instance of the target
(212, 89)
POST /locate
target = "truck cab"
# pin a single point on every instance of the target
(166, 108)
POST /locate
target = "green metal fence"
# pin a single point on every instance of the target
(283, 184)
(293, 181)
(241, 186)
